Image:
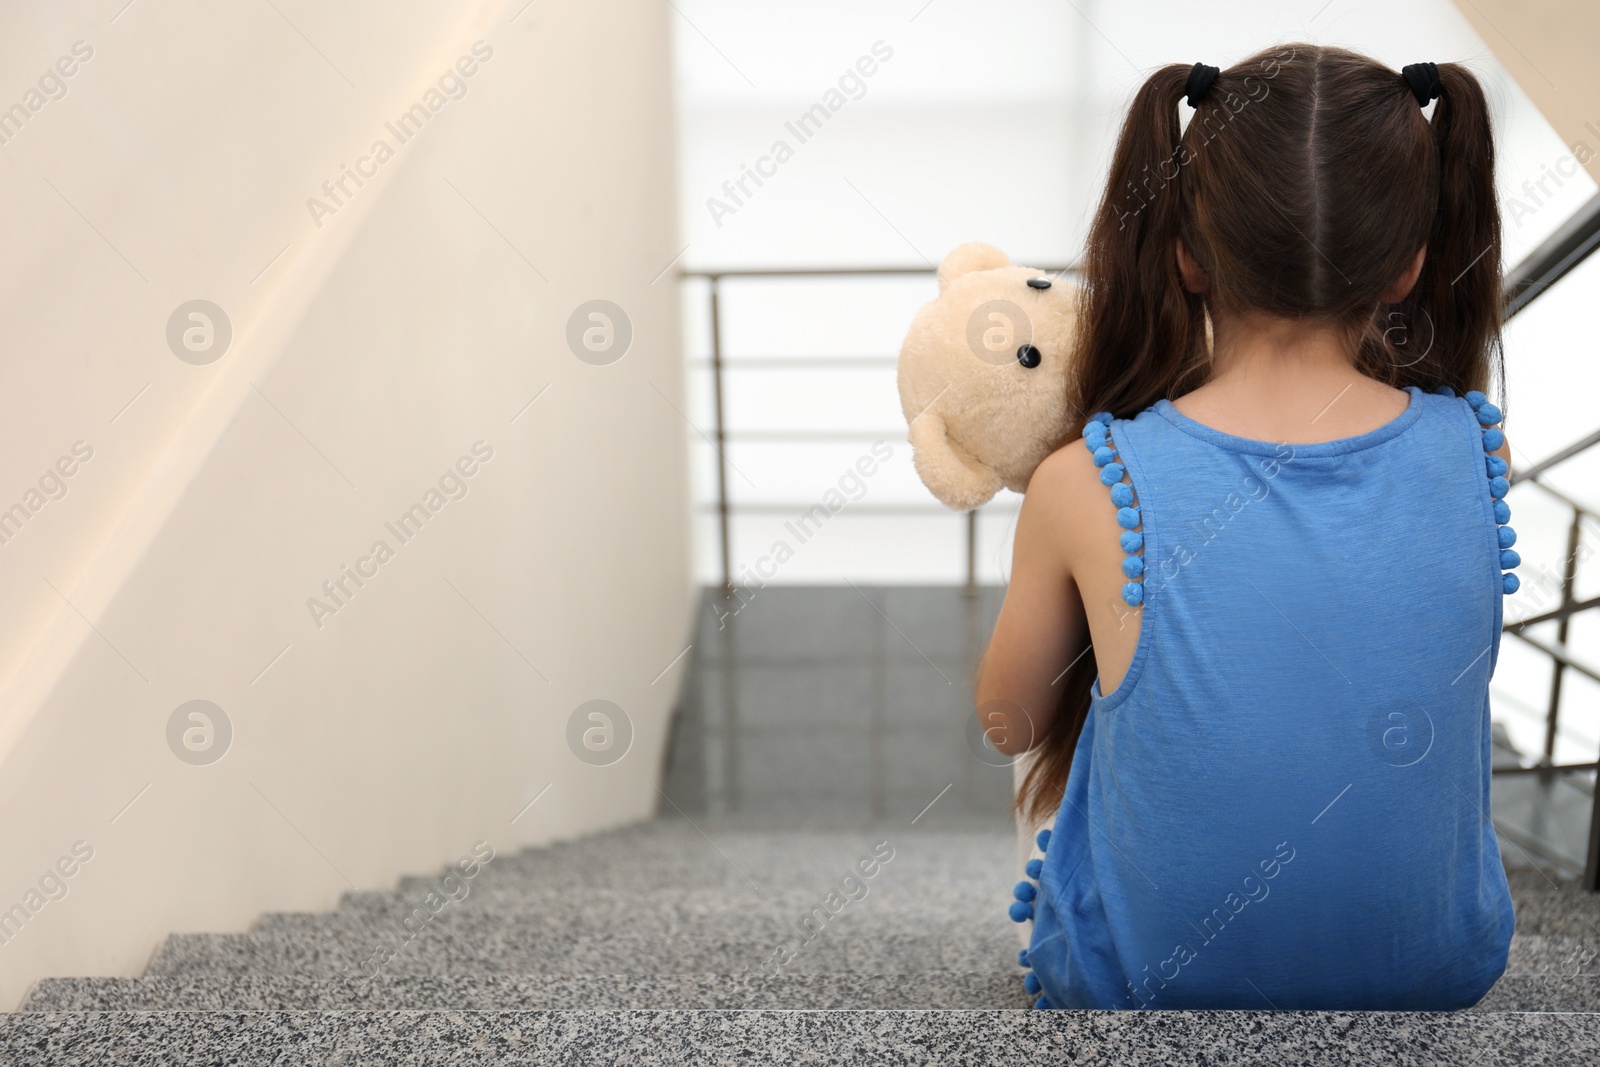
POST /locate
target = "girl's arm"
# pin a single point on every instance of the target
(1042, 627)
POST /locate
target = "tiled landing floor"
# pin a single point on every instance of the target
(835, 704)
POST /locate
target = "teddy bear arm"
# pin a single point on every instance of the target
(949, 471)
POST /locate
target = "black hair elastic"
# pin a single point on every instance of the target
(1423, 78)
(1200, 79)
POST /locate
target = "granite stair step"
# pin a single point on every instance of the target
(835, 992)
(668, 911)
(1547, 905)
(793, 992)
(1556, 955)
(1542, 993)
(698, 863)
(664, 906)
(448, 951)
(890, 1038)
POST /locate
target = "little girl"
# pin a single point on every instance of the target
(1254, 610)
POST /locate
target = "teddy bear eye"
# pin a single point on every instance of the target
(1038, 283)
(1028, 356)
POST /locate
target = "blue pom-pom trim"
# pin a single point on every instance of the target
(1102, 417)
(1111, 474)
(1042, 1004)
(1445, 390)
(1022, 958)
(1021, 910)
(1499, 485)
(1030, 982)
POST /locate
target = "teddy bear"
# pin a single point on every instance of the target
(983, 375)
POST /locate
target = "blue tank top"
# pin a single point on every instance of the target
(1285, 803)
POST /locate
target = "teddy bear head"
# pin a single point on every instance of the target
(983, 375)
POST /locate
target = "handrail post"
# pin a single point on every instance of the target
(1569, 582)
(1591, 863)
(720, 436)
(972, 553)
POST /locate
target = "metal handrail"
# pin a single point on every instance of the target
(820, 272)
(721, 435)
(1573, 242)
(799, 362)
(1533, 472)
(1558, 613)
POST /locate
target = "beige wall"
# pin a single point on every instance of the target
(370, 356)
(1552, 49)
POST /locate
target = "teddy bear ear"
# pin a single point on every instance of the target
(965, 259)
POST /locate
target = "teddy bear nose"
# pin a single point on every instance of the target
(1028, 356)
(1038, 283)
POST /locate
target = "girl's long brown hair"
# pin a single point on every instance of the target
(1304, 184)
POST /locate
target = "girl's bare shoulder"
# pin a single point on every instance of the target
(1068, 498)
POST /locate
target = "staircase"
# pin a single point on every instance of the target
(820, 728)
(655, 944)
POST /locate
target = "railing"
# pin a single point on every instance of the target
(1571, 244)
(724, 506)
(1559, 653)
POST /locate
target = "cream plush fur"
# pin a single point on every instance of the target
(979, 419)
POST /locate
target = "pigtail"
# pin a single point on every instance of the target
(1138, 328)
(1458, 299)
(1137, 322)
